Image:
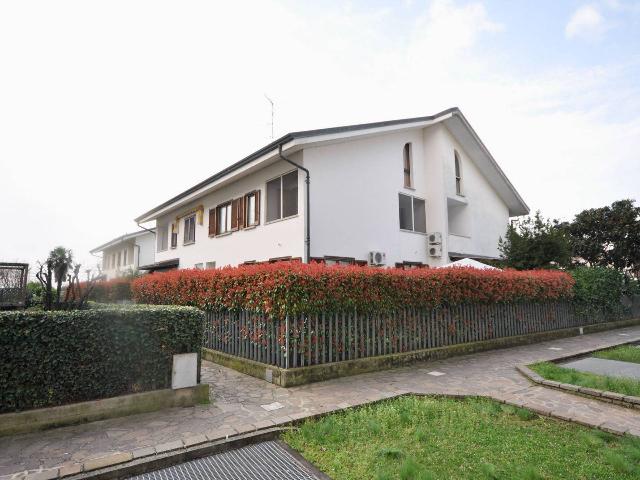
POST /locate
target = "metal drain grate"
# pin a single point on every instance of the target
(263, 461)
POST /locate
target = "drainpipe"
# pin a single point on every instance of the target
(307, 216)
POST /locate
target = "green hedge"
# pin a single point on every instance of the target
(598, 290)
(55, 358)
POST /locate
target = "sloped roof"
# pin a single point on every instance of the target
(120, 239)
(458, 124)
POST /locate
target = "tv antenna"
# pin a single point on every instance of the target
(271, 102)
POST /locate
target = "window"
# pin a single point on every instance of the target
(410, 265)
(189, 230)
(456, 161)
(407, 164)
(119, 258)
(223, 215)
(282, 196)
(174, 236)
(198, 266)
(210, 265)
(252, 209)
(413, 214)
(163, 238)
(124, 256)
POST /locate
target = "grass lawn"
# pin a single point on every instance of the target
(551, 371)
(437, 438)
(624, 353)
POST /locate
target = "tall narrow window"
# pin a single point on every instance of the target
(456, 160)
(163, 238)
(174, 235)
(190, 230)
(124, 256)
(252, 209)
(407, 163)
(224, 218)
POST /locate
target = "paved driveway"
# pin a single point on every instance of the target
(237, 402)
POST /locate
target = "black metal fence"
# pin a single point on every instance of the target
(303, 340)
(13, 284)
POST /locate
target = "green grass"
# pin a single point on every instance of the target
(460, 439)
(623, 353)
(552, 371)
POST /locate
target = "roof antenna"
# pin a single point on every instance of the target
(271, 102)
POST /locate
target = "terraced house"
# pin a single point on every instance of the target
(412, 192)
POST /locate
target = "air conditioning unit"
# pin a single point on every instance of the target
(435, 238)
(377, 258)
(435, 250)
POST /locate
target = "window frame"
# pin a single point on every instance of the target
(255, 194)
(281, 213)
(228, 214)
(407, 164)
(413, 214)
(188, 229)
(159, 244)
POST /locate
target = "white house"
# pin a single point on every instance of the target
(127, 253)
(411, 192)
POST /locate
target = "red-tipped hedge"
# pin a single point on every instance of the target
(278, 289)
(112, 291)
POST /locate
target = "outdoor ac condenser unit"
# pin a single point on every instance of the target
(435, 238)
(435, 250)
(377, 258)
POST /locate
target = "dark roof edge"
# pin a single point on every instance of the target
(287, 138)
(121, 238)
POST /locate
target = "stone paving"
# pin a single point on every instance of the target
(602, 366)
(237, 403)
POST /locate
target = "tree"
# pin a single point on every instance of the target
(608, 236)
(59, 266)
(61, 261)
(535, 242)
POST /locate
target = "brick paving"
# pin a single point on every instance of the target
(237, 400)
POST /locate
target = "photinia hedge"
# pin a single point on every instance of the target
(111, 291)
(292, 288)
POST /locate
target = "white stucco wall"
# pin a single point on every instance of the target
(354, 198)
(276, 239)
(146, 246)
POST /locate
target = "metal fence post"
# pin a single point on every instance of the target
(286, 342)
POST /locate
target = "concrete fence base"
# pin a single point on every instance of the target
(289, 377)
(43, 418)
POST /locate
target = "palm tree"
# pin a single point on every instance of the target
(60, 260)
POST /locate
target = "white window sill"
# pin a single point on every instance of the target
(225, 234)
(281, 219)
(412, 231)
(187, 244)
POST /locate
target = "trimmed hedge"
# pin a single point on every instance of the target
(55, 358)
(598, 290)
(293, 288)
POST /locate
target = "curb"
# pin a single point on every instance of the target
(627, 401)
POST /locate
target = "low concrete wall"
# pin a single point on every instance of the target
(299, 376)
(43, 418)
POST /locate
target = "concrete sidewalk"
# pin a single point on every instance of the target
(241, 404)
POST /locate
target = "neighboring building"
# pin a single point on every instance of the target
(412, 192)
(126, 254)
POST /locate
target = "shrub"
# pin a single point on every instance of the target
(58, 357)
(292, 288)
(598, 290)
(112, 291)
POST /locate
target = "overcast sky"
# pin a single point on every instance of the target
(109, 108)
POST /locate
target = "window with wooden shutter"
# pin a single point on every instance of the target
(212, 221)
(174, 236)
(224, 218)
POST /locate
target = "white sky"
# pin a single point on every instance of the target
(109, 108)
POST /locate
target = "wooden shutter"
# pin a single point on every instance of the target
(240, 210)
(257, 205)
(234, 214)
(212, 221)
